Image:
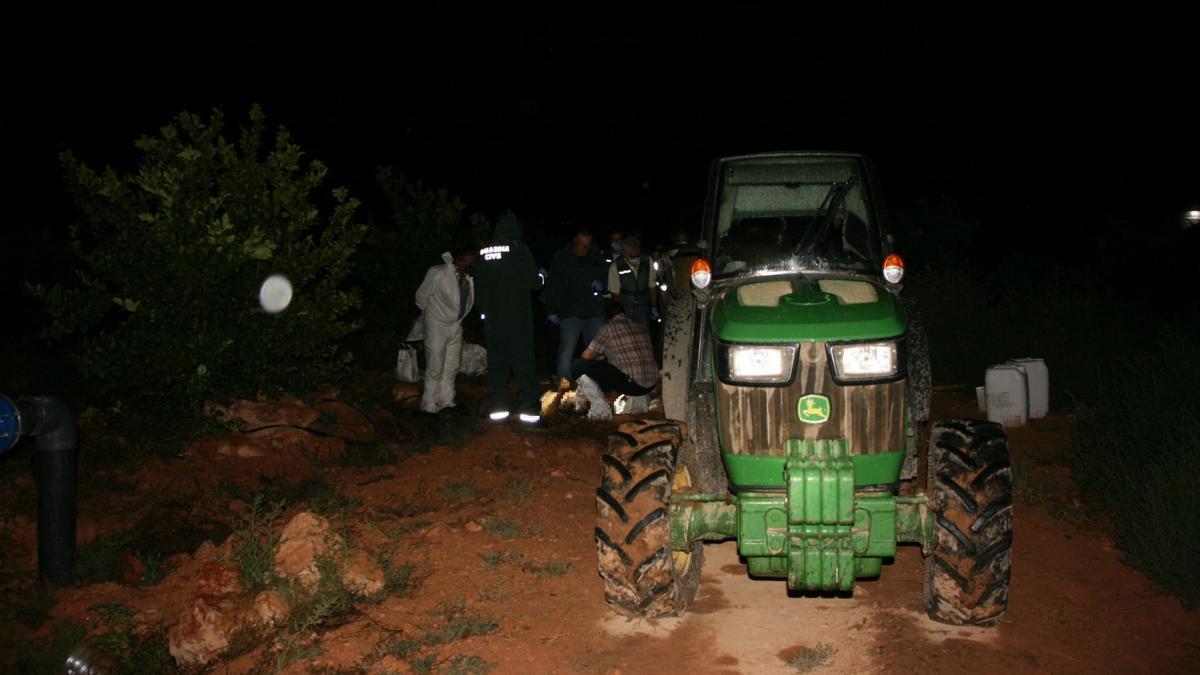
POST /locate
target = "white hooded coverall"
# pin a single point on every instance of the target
(441, 314)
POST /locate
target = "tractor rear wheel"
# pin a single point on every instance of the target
(642, 575)
(970, 481)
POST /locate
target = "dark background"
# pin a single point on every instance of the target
(1063, 135)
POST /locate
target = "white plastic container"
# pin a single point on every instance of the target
(1007, 395)
(1037, 377)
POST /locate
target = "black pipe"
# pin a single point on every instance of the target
(52, 423)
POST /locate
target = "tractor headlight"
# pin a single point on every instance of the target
(865, 360)
(758, 364)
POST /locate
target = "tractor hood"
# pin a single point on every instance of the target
(804, 309)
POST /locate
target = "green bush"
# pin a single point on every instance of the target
(420, 224)
(170, 256)
(257, 543)
(1138, 453)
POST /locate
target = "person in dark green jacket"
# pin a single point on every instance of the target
(505, 273)
(572, 296)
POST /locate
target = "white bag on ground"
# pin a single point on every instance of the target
(474, 360)
(407, 369)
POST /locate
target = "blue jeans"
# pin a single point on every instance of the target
(569, 332)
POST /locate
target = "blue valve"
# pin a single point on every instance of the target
(10, 425)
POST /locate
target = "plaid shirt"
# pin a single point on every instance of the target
(626, 345)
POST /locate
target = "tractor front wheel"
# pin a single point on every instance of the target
(970, 482)
(642, 575)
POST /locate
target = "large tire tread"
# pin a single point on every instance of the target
(967, 574)
(633, 538)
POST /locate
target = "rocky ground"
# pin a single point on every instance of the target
(348, 533)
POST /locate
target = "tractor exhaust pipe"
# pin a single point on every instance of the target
(52, 423)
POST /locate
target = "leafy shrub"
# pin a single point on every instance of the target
(501, 527)
(257, 542)
(1138, 453)
(170, 257)
(809, 659)
(131, 653)
(421, 223)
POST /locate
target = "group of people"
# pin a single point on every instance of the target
(605, 298)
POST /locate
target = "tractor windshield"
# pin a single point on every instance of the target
(794, 214)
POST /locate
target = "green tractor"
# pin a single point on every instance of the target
(796, 390)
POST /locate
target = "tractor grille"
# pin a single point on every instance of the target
(760, 420)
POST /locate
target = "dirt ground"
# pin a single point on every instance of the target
(501, 530)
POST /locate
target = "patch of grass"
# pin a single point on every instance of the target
(329, 601)
(463, 489)
(257, 542)
(407, 508)
(493, 592)
(31, 605)
(398, 579)
(493, 558)
(552, 568)
(423, 664)
(1033, 484)
(131, 654)
(402, 649)
(517, 490)
(407, 528)
(467, 664)
(96, 561)
(126, 439)
(168, 527)
(810, 658)
(370, 454)
(296, 653)
(501, 527)
(459, 623)
(49, 655)
(325, 498)
(153, 570)
(320, 496)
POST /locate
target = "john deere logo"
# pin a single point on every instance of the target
(813, 409)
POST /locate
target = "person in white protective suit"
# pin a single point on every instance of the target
(445, 297)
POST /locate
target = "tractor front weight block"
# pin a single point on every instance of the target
(818, 533)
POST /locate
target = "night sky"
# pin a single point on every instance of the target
(1033, 121)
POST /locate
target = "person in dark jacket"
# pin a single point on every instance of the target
(505, 274)
(630, 280)
(572, 300)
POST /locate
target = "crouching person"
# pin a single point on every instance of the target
(445, 297)
(619, 359)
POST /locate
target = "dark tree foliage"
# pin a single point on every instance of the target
(421, 222)
(170, 256)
